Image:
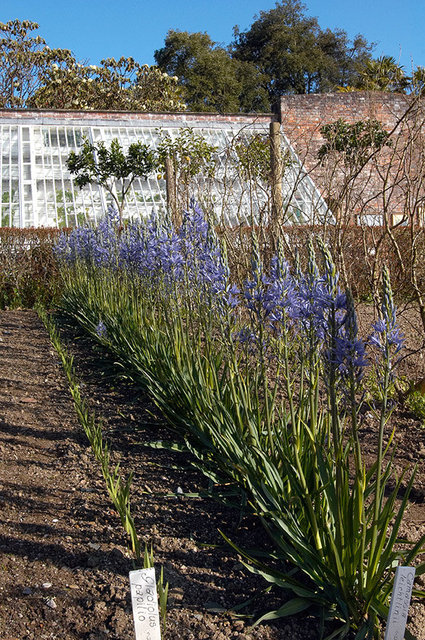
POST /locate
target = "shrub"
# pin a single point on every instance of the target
(415, 402)
(28, 269)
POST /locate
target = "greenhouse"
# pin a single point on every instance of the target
(37, 188)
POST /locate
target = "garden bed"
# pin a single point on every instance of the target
(64, 557)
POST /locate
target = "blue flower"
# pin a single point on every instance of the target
(101, 331)
(387, 334)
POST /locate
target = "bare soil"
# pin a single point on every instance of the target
(64, 563)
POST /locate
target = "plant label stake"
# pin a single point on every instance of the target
(145, 604)
(400, 602)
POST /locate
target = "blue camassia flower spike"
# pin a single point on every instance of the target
(101, 330)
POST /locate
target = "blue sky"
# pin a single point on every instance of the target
(95, 29)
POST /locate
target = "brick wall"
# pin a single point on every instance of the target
(309, 112)
(302, 116)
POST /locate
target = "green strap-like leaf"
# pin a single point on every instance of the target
(288, 609)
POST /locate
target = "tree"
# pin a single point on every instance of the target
(111, 168)
(24, 60)
(33, 75)
(67, 86)
(181, 159)
(121, 84)
(295, 55)
(383, 74)
(211, 79)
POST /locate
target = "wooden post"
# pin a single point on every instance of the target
(276, 179)
(170, 179)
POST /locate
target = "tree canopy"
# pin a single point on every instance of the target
(121, 84)
(283, 51)
(383, 74)
(211, 79)
(24, 59)
(33, 75)
(295, 55)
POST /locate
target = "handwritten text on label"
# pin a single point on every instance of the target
(145, 604)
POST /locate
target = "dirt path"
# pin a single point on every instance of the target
(63, 558)
(64, 565)
(50, 501)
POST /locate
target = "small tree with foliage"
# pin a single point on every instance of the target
(191, 156)
(111, 168)
(355, 141)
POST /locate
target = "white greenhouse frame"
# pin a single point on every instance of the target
(38, 190)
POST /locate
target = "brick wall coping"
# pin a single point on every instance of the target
(378, 97)
(131, 118)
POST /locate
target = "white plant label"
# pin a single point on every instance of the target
(400, 603)
(145, 604)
